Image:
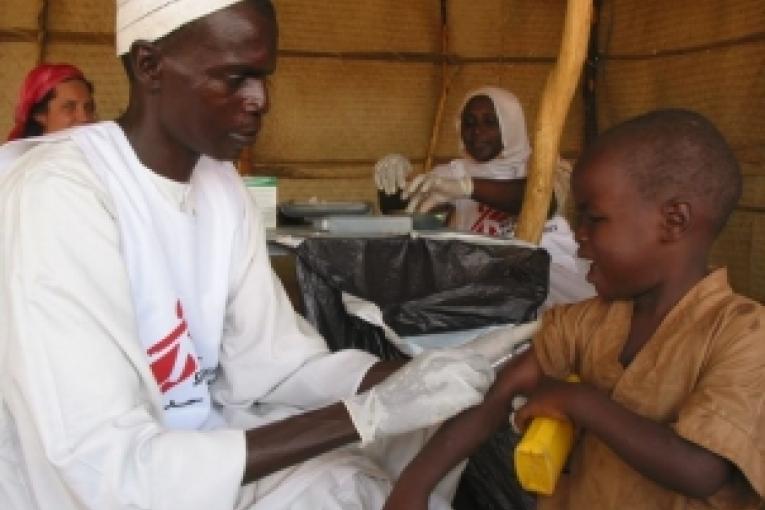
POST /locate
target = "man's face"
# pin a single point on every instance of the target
(617, 228)
(72, 105)
(213, 81)
(480, 129)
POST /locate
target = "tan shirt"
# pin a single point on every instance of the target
(702, 373)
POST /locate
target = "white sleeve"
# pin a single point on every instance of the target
(71, 375)
(270, 354)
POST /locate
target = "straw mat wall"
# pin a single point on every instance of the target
(357, 80)
(708, 56)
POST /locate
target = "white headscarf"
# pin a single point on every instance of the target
(149, 20)
(512, 160)
(511, 163)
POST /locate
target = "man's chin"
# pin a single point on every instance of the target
(225, 153)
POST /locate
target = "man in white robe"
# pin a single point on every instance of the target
(149, 358)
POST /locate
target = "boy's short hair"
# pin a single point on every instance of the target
(681, 151)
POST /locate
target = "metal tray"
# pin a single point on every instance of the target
(294, 209)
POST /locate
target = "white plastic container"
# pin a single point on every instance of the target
(264, 191)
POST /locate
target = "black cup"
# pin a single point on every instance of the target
(391, 204)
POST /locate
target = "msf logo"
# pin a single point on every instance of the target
(172, 359)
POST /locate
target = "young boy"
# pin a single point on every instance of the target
(671, 408)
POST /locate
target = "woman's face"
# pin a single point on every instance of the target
(480, 129)
(72, 105)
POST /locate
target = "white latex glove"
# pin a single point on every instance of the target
(391, 172)
(499, 345)
(428, 191)
(431, 388)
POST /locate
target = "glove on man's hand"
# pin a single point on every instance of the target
(391, 172)
(431, 388)
(428, 191)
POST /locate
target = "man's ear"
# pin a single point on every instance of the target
(676, 219)
(146, 64)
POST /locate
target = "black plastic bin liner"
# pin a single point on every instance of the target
(429, 286)
(421, 285)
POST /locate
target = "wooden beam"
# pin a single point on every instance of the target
(555, 102)
(590, 95)
(754, 38)
(416, 57)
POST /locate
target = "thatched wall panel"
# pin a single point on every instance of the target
(368, 26)
(726, 84)
(83, 16)
(526, 81)
(648, 26)
(19, 14)
(734, 249)
(15, 58)
(521, 28)
(330, 109)
(333, 117)
(100, 65)
(756, 276)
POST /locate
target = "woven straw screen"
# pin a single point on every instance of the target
(357, 80)
(708, 56)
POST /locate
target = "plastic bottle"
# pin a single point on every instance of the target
(542, 452)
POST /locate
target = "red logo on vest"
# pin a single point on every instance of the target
(167, 353)
(491, 221)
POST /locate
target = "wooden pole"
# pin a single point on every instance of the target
(445, 83)
(591, 78)
(553, 108)
(42, 31)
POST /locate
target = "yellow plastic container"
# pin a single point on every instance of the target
(542, 452)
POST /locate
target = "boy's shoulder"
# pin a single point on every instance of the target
(593, 308)
(714, 304)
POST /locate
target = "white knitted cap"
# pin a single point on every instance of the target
(150, 20)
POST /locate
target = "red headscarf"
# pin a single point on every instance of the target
(40, 80)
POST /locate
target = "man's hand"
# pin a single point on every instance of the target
(428, 191)
(391, 172)
(431, 388)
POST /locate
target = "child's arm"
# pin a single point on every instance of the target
(651, 448)
(462, 435)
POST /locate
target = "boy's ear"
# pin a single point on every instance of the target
(676, 219)
(146, 61)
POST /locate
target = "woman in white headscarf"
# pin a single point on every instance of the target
(485, 187)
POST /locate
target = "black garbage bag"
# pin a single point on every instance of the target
(421, 285)
(489, 481)
(428, 286)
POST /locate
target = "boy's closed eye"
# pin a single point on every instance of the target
(587, 218)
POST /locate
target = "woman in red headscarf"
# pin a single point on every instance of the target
(53, 97)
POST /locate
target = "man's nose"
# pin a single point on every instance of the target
(255, 96)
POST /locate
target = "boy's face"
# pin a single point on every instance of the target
(617, 228)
